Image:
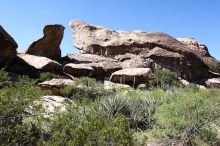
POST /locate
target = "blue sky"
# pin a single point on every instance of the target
(25, 19)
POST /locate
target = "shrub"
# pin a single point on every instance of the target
(139, 107)
(214, 67)
(13, 102)
(188, 115)
(4, 79)
(45, 76)
(165, 79)
(87, 126)
(85, 90)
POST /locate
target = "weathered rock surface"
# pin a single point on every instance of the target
(55, 85)
(201, 50)
(50, 104)
(99, 70)
(79, 69)
(8, 48)
(136, 62)
(132, 76)
(99, 40)
(49, 45)
(213, 83)
(37, 62)
(162, 48)
(186, 65)
(87, 58)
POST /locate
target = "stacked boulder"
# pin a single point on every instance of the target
(111, 56)
(138, 51)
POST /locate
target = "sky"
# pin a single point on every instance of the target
(24, 20)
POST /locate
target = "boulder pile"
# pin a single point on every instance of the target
(112, 56)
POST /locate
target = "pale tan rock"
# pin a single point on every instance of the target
(40, 63)
(131, 76)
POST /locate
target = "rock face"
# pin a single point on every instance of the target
(99, 40)
(78, 69)
(55, 85)
(87, 58)
(40, 63)
(160, 47)
(8, 48)
(201, 50)
(132, 76)
(98, 70)
(49, 45)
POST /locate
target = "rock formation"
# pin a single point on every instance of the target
(160, 47)
(131, 76)
(8, 48)
(49, 45)
(30, 64)
(55, 85)
(201, 50)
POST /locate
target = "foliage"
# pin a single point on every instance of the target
(137, 106)
(45, 76)
(187, 115)
(4, 79)
(86, 126)
(112, 117)
(214, 67)
(14, 100)
(85, 90)
(165, 79)
(140, 138)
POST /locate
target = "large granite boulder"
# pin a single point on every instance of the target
(179, 56)
(201, 50)
(8, 48)
(99, 40)
(131, 76)
(40, 63)
(55, 85)
(31, 65)
(79, 69)
(49, 45)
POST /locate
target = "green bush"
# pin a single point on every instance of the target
(139, 107)
(165, 79)
(85, 90)
(87, 126)
(46, 76)
(188, 115)
(13, 102)
(214, 67)
(4, 79)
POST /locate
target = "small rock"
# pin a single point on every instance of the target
(142, 87)
(111, 85)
